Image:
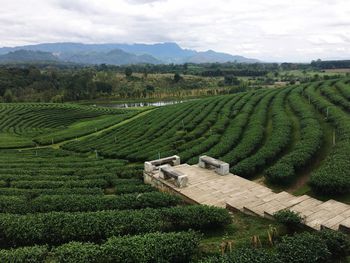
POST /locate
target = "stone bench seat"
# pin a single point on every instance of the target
(154, 165)
(221, 167)
(168, 172)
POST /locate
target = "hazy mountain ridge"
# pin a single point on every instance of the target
(27, 56)
(115, 54)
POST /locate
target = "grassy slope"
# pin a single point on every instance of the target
(242, 229)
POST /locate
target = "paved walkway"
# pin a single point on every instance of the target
(239, 194)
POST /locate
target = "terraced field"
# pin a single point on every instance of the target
(24, 125)
(275, 133)
(71, 185)
(54, 203)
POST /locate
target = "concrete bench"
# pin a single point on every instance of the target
(153, 165)
(168, 172)
(207, 162)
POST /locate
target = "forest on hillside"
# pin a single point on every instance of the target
(68, 83)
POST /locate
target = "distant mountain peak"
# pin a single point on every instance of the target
(23, 55)
(119, 54)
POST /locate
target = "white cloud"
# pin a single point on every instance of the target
(274, 30)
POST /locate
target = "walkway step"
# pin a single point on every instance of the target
(239, 194)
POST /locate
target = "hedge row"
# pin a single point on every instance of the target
(278, 140)
(332, 177)
(36, 119)
(32, 193)
(254, 132)
(343, 88)
(111, 178)
(84, 203)
(210, 129)
(127, 189)
(326, 246)
(163, 143)
(60, 184)
(240, 113)
(84, 128)
(112, 142)
(62, 227)
(332, 94)
(284, 171)
(34, 254)
(154, 247)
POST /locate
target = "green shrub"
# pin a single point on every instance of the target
(283, 172)
(303, 248)
(62, 227)
(60, 184)
(337, 243)
(32, 193)
(244, 255)
(33, 254)
(76, 203)
(127, 189)
(78, 252)
(290, 219)
(155, 247)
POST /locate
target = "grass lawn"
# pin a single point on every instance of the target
(240, 232)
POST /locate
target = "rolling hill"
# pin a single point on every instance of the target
(115, 54)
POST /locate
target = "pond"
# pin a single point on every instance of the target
(140, 104)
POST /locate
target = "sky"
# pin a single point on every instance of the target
(273, 30)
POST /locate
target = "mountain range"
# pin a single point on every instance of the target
(114, 54)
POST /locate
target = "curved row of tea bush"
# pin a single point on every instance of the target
(83, 128)
(239, 115)
(278, 140)
(332, 94)
(212, 135)
(32, 193)
(333, 175)
(153, 247)
(22, 122)
(84, 203)
(54, 172)
(163, 143)
(344, 88)
(138, 130)
(249, 131)
(311, 134)
(322, 247)
(61, 227)
(254, 133)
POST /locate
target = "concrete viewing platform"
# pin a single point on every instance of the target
(207, 186)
